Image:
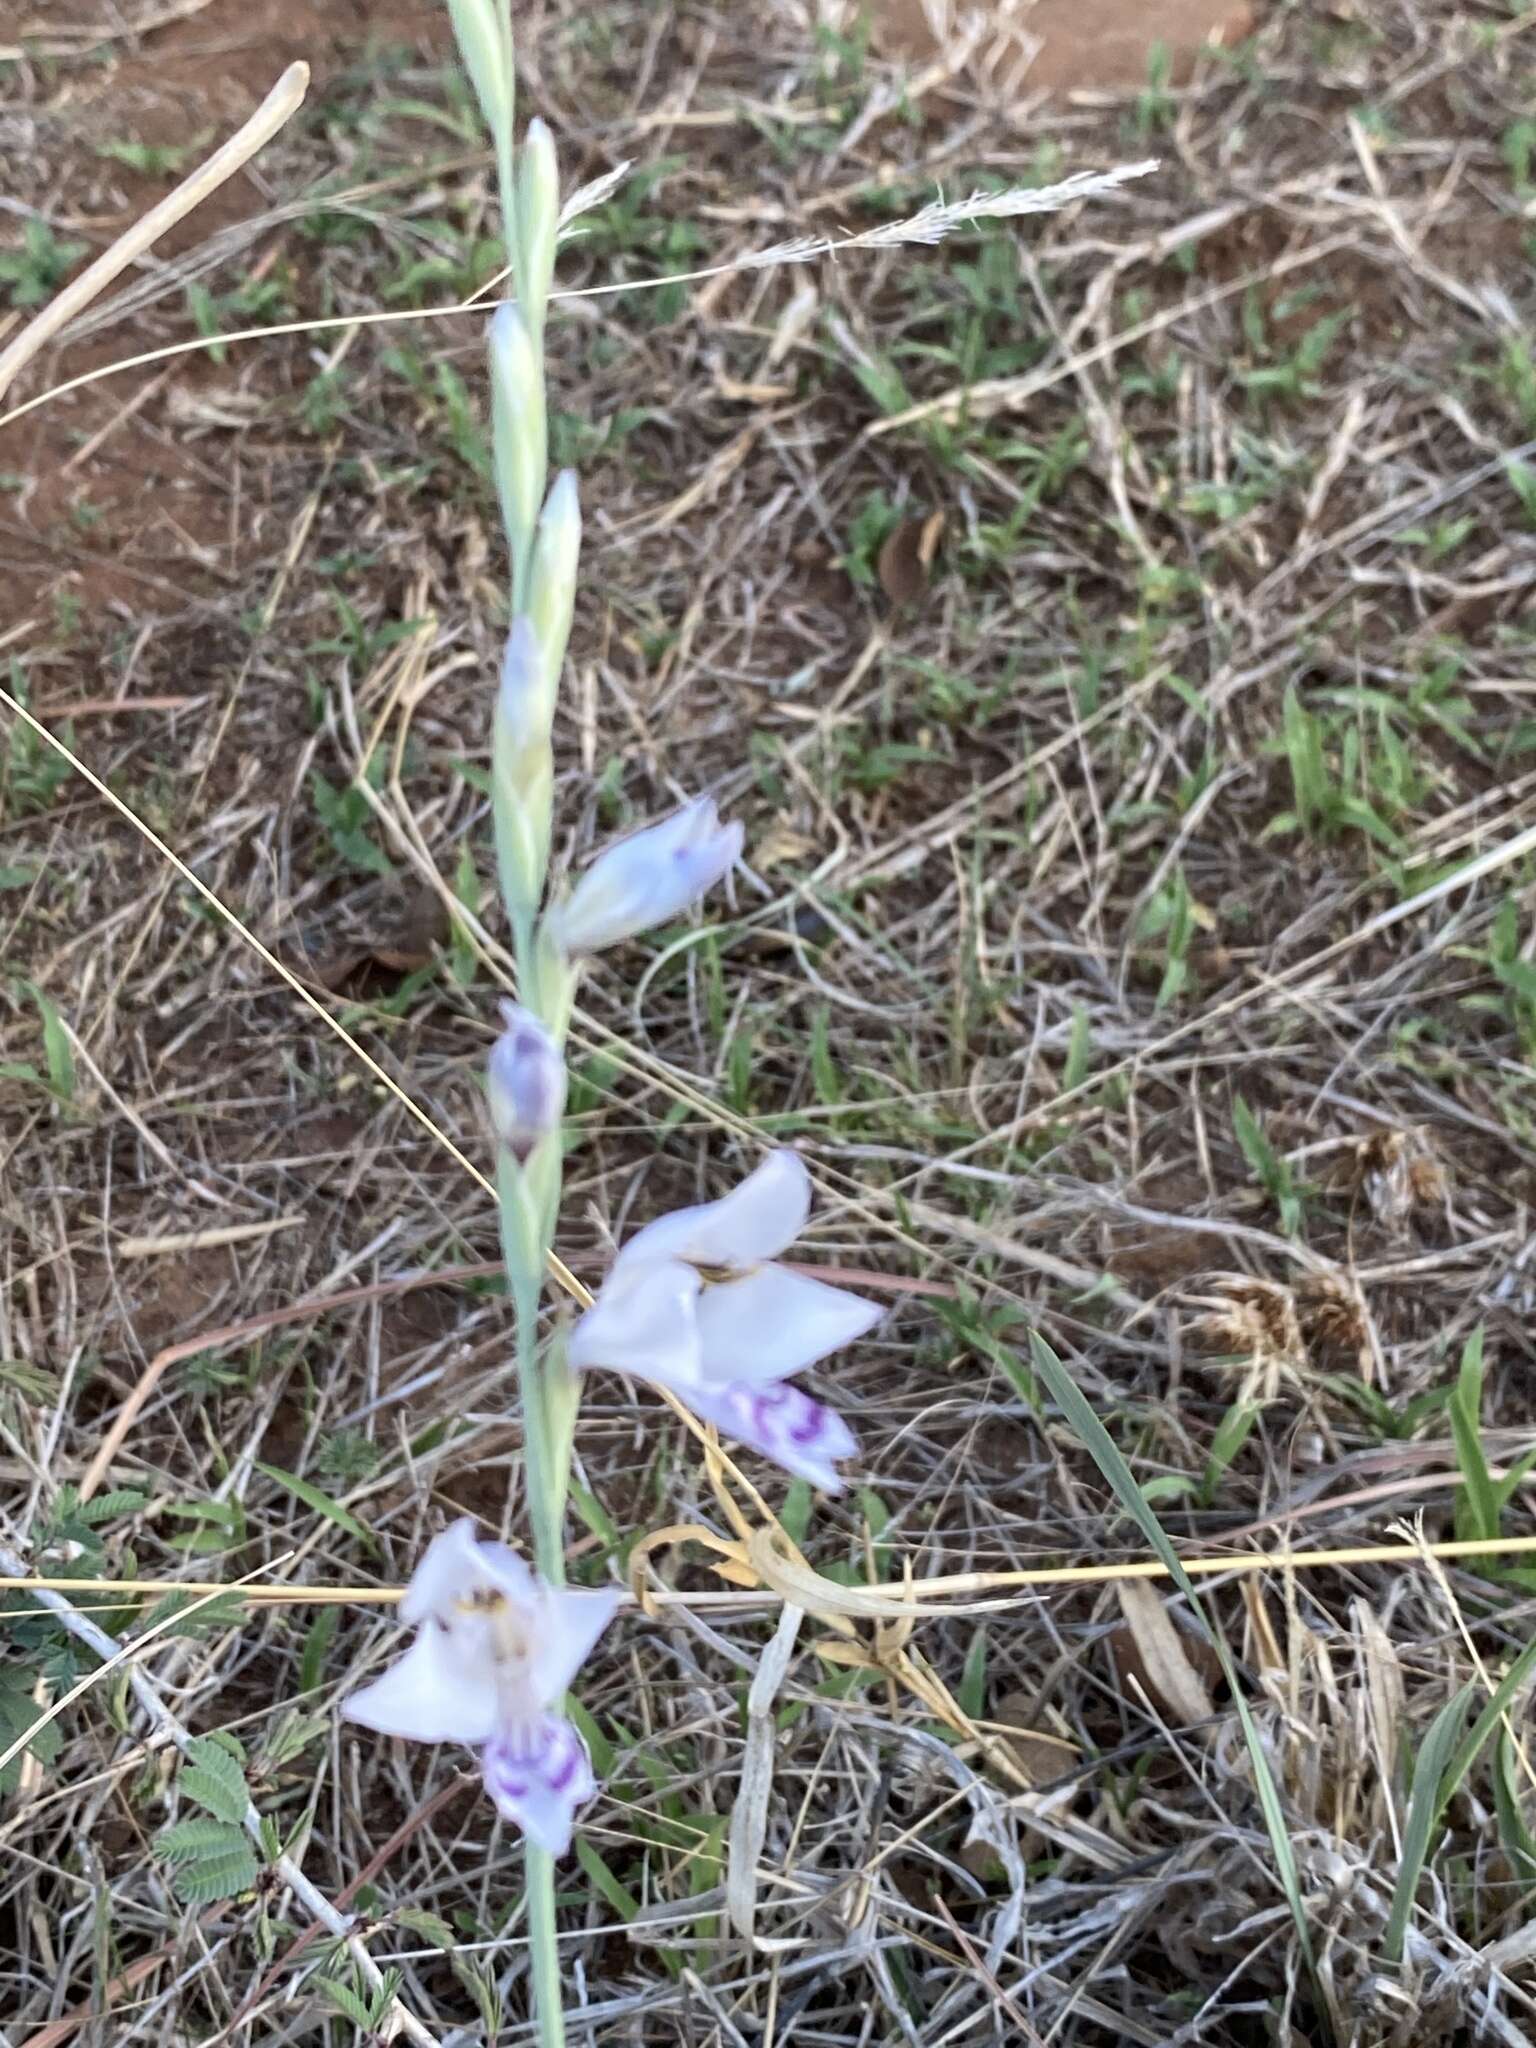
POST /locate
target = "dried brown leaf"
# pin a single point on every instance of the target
(1151, 1652)
(906, 560)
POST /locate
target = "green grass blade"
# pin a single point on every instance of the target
(972, 1691)
(1477, 1508)
(1499, 1703)
(1101, 1446)
(1426, 1802)
(322, 1504)
(58, 1051)
(616, 1893)
(1519, 1844)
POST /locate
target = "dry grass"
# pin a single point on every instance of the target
(1136, 807)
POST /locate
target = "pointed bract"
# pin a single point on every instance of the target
(519, 436)
(538, 217)
(552, 580)
(524, 701)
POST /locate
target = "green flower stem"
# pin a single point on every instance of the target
(524, 1196)
(543, 1947)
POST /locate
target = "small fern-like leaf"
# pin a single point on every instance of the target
(210, 1859)
(214, 1780)
(346, 2002)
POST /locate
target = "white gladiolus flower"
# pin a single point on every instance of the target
(696, 1304)
(647, 879)
(495, 1651)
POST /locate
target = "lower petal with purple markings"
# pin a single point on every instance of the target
(538, 1776)
(782, 1422)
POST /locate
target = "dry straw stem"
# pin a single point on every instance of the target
(279, 106)
(796, 1585)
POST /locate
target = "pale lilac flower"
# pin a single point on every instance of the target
(649, 878)
(525, 1081)
(495, 1651)
(696, 1304)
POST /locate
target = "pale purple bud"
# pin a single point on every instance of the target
(523, 707)
(649, 878)
(525, 1080)
(523, 770)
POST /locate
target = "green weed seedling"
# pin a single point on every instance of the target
(30, 275)
(31, 772)
(1482, 1500)
(1272, 1172)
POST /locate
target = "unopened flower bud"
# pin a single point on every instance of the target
(484, 46)
(525, 1081)
(538, 220)
(647, 879)
(552, 577)
(519, 431)
(523, 769)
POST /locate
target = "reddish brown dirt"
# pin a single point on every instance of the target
(1084, 44)
(145, 492)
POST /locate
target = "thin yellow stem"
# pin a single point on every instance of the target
(920, 1593)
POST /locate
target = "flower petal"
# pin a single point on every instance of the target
(431, 1694)
(775, 1322)
(571, 1623)
(648, 878)
(785, 1424)
(643, 1322)
(538, 1776)
(453, 1565)
(754, 1222)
